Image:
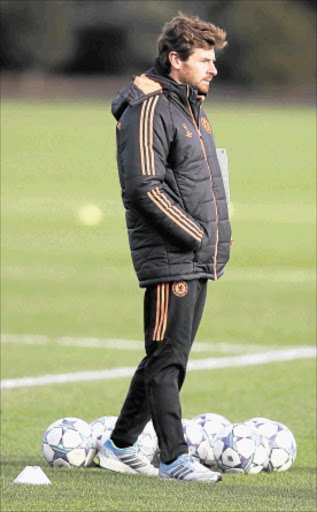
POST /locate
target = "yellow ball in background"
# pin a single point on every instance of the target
(90, 215)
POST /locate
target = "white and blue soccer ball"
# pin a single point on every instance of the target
(101, 430)
(240, 448)
(197, 441)
(102, 427)
(212, 424)
(148, 443)
(281, 443)
(68, 443)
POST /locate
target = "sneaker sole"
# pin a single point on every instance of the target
(164, 476)
(119, 467)
(115, 465)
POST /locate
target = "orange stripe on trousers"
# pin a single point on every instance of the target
(162, 295)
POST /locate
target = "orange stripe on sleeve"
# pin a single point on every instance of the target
(146, 136)
(178, 213)
(160, 204)
(151, 124)
(141, 138)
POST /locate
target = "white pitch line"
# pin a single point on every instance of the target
(201, 364)
(254, 359)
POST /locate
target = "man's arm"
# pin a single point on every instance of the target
(143, 149)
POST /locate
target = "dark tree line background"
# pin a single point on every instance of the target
(270, 41)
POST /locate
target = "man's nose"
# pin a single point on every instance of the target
(213, 70)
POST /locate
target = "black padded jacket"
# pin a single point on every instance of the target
(172, 187)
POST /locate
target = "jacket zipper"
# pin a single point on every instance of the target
(211, 180)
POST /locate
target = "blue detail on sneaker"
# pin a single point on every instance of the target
(186, 468)
(125, 460)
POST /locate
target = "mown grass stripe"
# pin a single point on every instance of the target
(134, 345)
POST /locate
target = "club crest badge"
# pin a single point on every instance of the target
(206, 125)
(180, 289)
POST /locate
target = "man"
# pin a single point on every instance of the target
(179, 234)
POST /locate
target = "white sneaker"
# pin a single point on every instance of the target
(125, 460)
(186, 468)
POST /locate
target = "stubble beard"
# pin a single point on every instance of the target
(204, 87)
(189, 79)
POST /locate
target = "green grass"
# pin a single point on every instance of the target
(61, 278)
(96, 489)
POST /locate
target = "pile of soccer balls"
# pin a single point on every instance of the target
(252, 446)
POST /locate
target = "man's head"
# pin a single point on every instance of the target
(186, 50)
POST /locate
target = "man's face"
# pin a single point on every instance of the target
(198, 70)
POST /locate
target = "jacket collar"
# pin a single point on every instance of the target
(183, 91)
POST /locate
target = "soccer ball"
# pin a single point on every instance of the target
(101, 430)
(240, 448)
(68, 443)
(281, 443)
(148, 442)
(100, 426)
(212, 424)
(197, 441)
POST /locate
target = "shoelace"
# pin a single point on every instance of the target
(199, 467)
(191, 459)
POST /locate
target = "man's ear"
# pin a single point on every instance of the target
(174, 60)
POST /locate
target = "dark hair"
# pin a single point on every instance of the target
(183, 35)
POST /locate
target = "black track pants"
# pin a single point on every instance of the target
(172, 313)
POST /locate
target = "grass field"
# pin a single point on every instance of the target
(61, 278)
